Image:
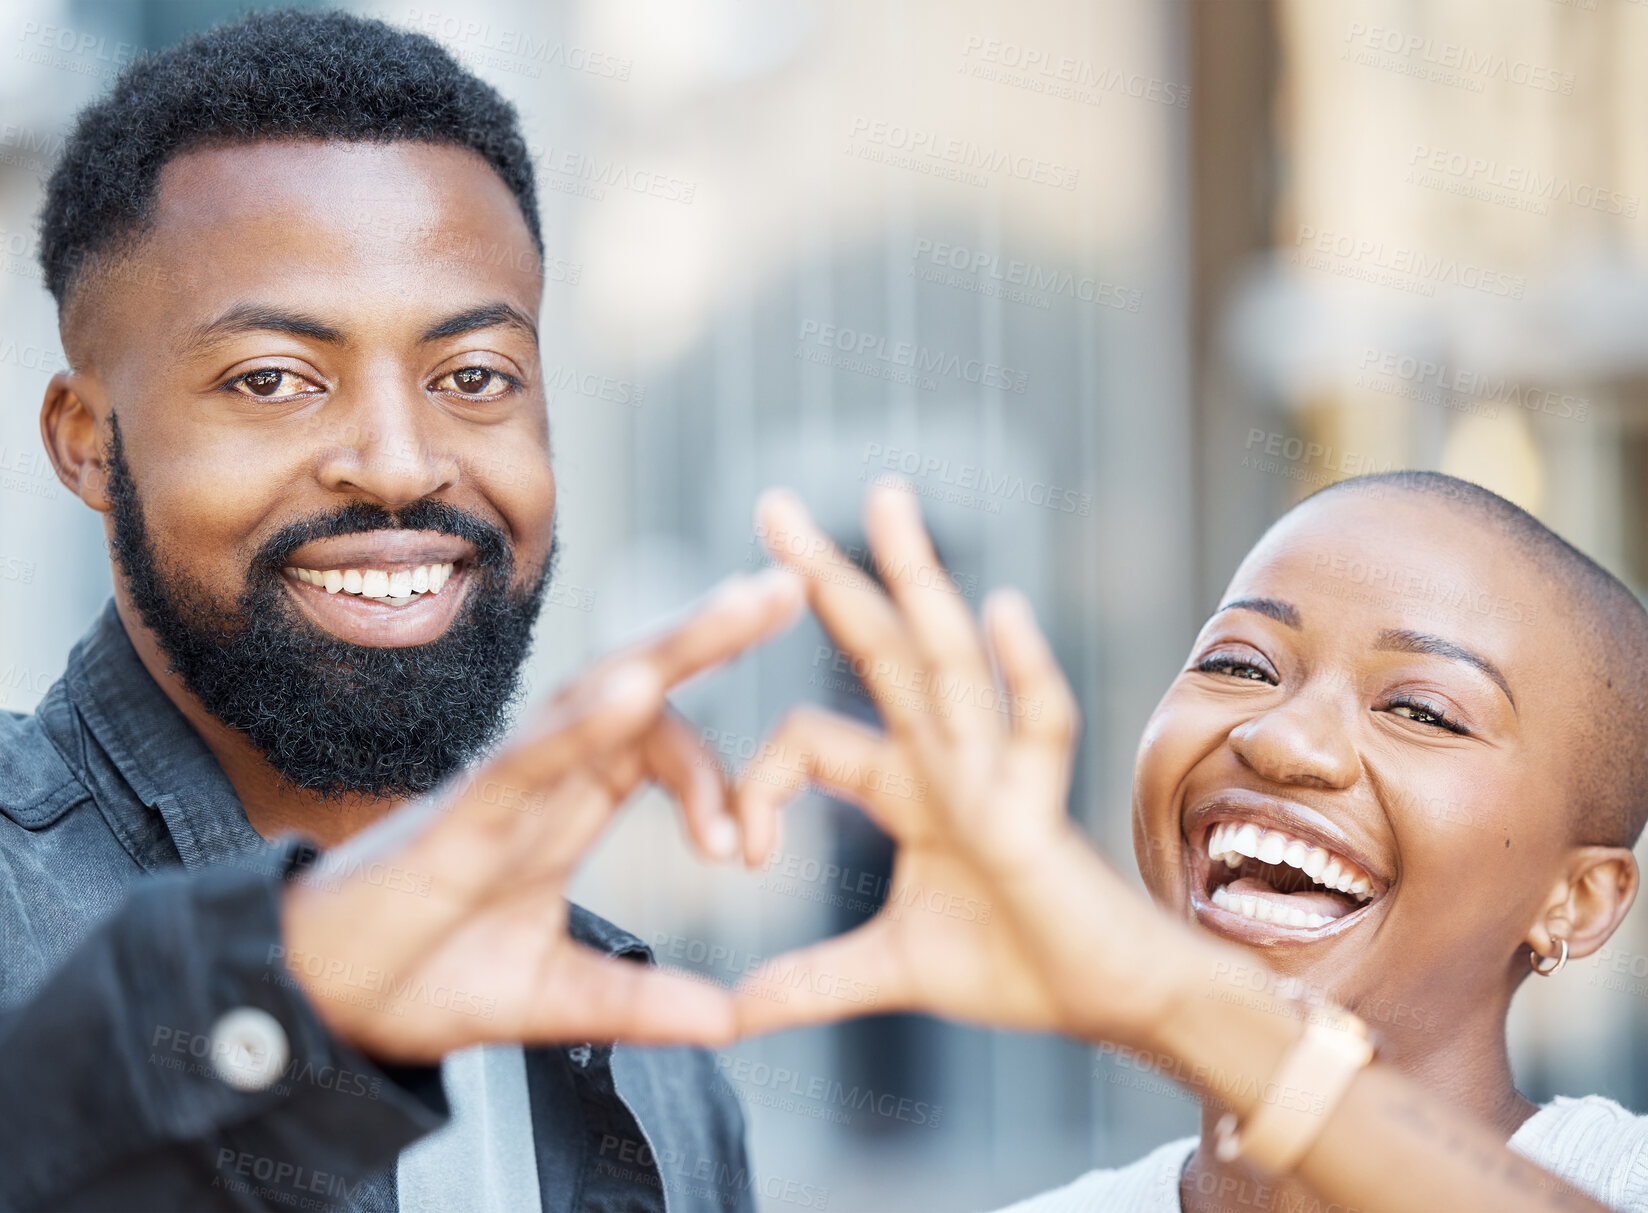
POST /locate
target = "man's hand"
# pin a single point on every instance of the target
(445, 925)
(999, 912)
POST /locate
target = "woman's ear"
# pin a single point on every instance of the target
(1597, 888)
(74, 439)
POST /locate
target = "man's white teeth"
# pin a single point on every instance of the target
(397, 588)
(1263, 909)
(1232, 843)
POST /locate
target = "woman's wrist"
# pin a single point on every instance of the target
(1230, 1027)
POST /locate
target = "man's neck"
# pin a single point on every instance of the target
(1471, 1070)
(273, 806)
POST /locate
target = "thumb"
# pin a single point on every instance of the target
(851, 975)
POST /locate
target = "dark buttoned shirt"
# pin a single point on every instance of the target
(139, 909)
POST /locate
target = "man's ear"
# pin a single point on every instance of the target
(74, 439)
(1597, 888)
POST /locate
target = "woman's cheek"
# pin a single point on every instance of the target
(1172, 744)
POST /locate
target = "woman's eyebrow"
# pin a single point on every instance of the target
(1399, 640)
(1274, 608)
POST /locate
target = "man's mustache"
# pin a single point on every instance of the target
(494, 552)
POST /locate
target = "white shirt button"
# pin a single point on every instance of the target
(249, 1049)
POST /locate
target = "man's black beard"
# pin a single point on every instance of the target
(331, 717)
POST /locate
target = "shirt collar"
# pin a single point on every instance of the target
(161, 758)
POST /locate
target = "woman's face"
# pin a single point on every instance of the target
(1360, 771)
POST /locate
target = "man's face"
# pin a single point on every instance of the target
(1339, 779)
(332, 494)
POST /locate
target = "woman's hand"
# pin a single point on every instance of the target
(999, 911)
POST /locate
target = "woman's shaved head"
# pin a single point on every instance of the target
(1609, 777)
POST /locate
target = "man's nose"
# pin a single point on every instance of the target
(390, 447)
(1303, 740)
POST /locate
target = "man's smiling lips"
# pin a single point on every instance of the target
(1264, 870)
(381, 588)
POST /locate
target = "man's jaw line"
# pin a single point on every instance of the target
(1265, 870)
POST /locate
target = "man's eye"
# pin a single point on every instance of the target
(477, 381)
(1235, 667)
(272, 383)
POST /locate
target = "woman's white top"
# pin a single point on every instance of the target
(1593, 1143)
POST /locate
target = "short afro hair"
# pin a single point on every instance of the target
(268, 76)
(1609, 786)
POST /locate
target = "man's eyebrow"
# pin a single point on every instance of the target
(1274, 608)
(257, 318)
(489, 315)
(1398, 640)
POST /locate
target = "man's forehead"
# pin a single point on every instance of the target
(397, 195)
(293, 221)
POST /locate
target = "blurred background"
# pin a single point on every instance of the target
(1112, 283)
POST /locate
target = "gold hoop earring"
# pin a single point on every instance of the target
(1534, 959)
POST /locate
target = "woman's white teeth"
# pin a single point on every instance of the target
(1233, 843)
(398, 587)
(1263, 909)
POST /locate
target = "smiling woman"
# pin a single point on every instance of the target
(1289, 797)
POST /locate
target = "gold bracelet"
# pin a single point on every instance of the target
(1296, 1103)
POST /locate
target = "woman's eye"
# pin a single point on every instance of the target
(272, 383)
(1235, 667)
(477, 381)
(1420, 712)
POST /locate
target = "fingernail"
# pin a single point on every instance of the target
(721, 838)
(1010, 607)
(772, 583)
(633, 682)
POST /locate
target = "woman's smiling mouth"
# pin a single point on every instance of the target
(1274, 877)
(1259, 872)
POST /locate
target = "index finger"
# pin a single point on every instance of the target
(738, 615)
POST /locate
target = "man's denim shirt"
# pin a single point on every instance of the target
(138, 906)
